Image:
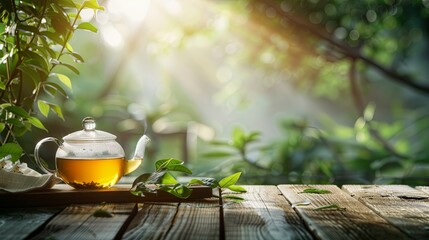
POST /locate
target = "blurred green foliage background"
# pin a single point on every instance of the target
(293, 91)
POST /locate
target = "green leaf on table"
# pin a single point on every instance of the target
(237, 188)
(234, 198)
(316, 190)
(87, 26)
(195, 181)
(164, 163)
(178, 190)
(168, 179)
(230, 180)
(171, 164)
(12, 149)
(149, 178)
(331, 206)
(102, 213)
(140, 188)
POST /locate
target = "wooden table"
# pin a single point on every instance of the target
(268, 212)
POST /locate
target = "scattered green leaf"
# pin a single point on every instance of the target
(234, 198)
(332, 206)
(102, 213)
(316, 190)
(237, 188)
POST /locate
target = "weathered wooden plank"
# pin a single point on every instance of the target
(62, 194)
(403, 206)
(81, 222)
(18, 223)
(351, 220)
(152, 221)
(423, 188)
(265, 214)
(197, 220)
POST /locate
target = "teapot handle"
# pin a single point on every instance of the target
(36, 153)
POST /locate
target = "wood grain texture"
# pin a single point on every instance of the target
(18, 223)
(403, 206)
(353, 220)
(265, 214)
(423, 189)
(152, 221)
(62, 194)
(196, 221)
(79, 222)
(176, 221)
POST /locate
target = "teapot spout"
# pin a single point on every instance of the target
(134, 163)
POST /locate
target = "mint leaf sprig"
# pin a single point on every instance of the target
(163, 180)
(225, 183)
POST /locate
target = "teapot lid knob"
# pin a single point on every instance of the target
(88, 124)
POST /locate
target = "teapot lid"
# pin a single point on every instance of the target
(89, 133)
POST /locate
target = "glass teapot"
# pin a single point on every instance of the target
(91, 158)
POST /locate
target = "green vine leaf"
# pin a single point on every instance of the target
(37, 123)
(171, 164)
(178, 190)
(57, 110)
(65, 80)
(87, 26)
(230, 180)
(237, 188)
(234, 198)
(43, 107)
(92, 4)
(169, 179)
(163, 180)
(73, 69)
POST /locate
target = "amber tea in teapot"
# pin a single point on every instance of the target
(91, 158)
(90, 173)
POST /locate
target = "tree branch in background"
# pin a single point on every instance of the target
(353, 53)
(359, 104)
